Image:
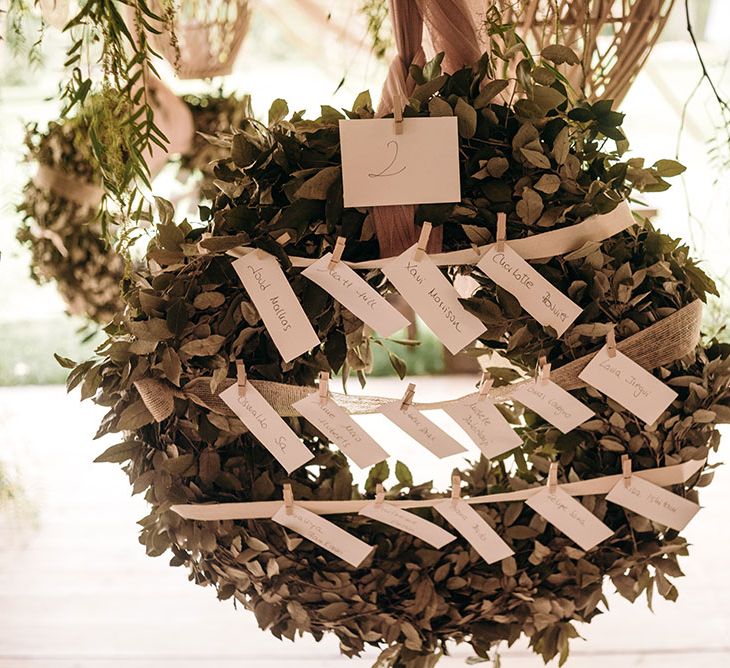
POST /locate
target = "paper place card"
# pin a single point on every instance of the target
(485, 425)
(434, 298)
(418, 166)
(338, 426)
(470, 524)
(628, 384)
(401, 519)
(325, 534)
(266, 425)
(278, 306)
(419, 427)
(570, 516)
(356, 295)
(551, 402)
(542, 300)
(653, 502)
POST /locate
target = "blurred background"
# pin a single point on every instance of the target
(75, 587)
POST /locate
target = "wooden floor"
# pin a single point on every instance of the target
(77, 591)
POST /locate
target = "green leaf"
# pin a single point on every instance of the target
(403, 474)
(65, 362)
(318, 186)
(437, 106)
(377, 474)
(121, 452)
(467, 116)
(278, 111)
(489, 92)
(669, 167)
(560, 54)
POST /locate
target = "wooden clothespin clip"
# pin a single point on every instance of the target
(422, 242)
(543, 370)
(337, 253)
(283, 239)
(408, 396)
(553, 476)
(501, 231)
(626, 469)
(485, 385)
(379, 494)
(455, 488)
(611, 341)
(324, 387)
(241, 378)
(397, 113)
(288, 499)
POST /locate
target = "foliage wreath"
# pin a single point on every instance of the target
(62, 229)
(188, 319)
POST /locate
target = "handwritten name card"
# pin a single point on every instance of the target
(538, 297)
(283, 315)
(324, 533)
(628, 384)
(266, 425)
(570, 516)
(419, 427)
(485, 425)
(337, 425)
(653, 502)
(434, 298)
(470, 524)
(401, 519)
(418, 166)
(551, 402)
(356, 295)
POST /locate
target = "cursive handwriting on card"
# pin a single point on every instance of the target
(485, 425)
(550, 401)
(407, 522)
(386, 171)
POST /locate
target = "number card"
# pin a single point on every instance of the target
(356, 295)
(324, 533)
(628, 384)
(418, 166)
(551, 402)
(278, 306)
(339, 427)
(653, 502)
(266, 425)
(538, 297)
(434, 298)
(485, 425)
(401, 519)
(470, 524)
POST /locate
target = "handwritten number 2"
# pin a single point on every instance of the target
(385, 171)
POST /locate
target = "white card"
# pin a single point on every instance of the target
(325, 534)
(434, 298)
(470, 524)
(278, 306)
(653, 502)
(401, 519)
(419, 427)
(418, 166)
(551, 402)
(338, 426)
(570, 516)
(485, 425)
(266, 425)
(628, 384)
(356, 295)
(542, 300)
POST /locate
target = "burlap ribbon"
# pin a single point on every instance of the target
(658, 345)
(69, 187)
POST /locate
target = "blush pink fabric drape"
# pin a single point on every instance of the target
(452, 30)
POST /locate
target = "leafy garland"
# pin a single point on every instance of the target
(542, 160)
(65, 237)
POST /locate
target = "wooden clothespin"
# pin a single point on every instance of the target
(611, 340)
(543, 370)
(626, 469)
(288, 499)
(501, 231)
(422, 242)
(324, 387)
(283, 239)
(241, 378)
(553, 476)
(455, 488)
(408, 396)
(397, 113)
(485, 385)
(337, 253)
(379, 494)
